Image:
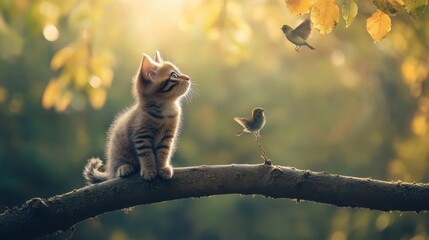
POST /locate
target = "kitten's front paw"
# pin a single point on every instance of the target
(124, 170)
(148, 174)
(166, 172)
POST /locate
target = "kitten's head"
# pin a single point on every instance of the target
(160, 80)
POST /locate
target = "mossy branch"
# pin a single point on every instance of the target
(43, 216)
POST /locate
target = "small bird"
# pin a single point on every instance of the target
(299, 35)
(253, 124)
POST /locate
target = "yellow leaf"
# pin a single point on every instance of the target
(106, 75)
(97, 97)
(408, 69)
(413, 71)
(81, 76)
(415, 8)
(213, 13)
(349, 11)
(61, 57)
(51, 93)
(390, 7)
(63, 101)
(378, 25)
(419, 125)
(325, 15)
(298, 7)
(241, 32)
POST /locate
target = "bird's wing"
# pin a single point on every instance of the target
(241, 121)
(303, 30)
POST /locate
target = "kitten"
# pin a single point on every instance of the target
(142, 138)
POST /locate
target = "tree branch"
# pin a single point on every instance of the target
(42, 216)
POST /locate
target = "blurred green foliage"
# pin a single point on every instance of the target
(351, 108)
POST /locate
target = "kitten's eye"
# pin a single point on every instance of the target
(173, 74)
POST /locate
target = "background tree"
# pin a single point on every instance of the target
(351, 107)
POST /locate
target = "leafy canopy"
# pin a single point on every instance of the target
(324, 14)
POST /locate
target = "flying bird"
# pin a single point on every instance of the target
(299, 35)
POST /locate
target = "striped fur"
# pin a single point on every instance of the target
(142, 138)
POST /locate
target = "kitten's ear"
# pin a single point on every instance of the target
(158, 57)
(149, 68)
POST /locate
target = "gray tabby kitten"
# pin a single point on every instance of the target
(142, 138)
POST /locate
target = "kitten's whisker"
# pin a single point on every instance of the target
(195, 93)
(188, 97)
(191, 94)
(194, 83)
(194, 90)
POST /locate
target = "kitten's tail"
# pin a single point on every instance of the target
(92, 173)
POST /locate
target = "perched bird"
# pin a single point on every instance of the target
(299, 35)
(253, 124)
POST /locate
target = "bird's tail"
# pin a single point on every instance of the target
(241, 121)
(311, 47)
(91, 172)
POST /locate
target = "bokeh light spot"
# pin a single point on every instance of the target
(3, 94)
(48, 9)
(337, 58)
(382, 222)
(51, 33)
(338, 235)
(16, 104)
(94, 81)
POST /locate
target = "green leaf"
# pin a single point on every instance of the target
(11, 43)
(389, 7)
(415, 8)
(349, 11)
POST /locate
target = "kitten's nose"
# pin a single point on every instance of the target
(184, 77)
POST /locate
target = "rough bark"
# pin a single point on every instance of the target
(43, 216)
